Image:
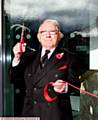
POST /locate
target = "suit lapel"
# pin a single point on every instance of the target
(36, 62)
(50, 64)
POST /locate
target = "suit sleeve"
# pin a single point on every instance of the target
(16, 73)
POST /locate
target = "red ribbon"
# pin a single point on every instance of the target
(50, 99)
(46, 96)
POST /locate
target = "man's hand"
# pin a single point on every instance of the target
(59, 86)
(18, 49)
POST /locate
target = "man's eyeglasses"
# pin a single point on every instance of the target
(54, 32)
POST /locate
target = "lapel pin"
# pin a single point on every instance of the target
(59, 55)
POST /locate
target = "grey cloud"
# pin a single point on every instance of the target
(69, 12)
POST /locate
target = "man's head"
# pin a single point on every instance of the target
(49, 34)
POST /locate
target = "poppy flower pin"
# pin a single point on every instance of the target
(59, 55)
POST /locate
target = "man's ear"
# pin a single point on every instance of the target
(38, 36)
(60, 36)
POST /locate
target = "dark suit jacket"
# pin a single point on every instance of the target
(62, 67)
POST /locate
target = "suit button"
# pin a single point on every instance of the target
(48, 104)
(26, 91)
(17, 91)
(29, 74)
(35, 89)
(49, 90)
(56, 75)
(35, 102)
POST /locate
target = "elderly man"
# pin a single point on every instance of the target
(39, 68)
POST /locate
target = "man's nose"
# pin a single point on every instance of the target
(48, 34)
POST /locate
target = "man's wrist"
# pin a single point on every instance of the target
(15, 62)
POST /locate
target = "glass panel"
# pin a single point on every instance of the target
(79, 24)
(93, 36)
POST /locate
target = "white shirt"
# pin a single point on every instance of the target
(49, 54)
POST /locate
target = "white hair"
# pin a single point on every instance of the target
(56, 23)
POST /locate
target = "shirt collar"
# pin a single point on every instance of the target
(43, 52)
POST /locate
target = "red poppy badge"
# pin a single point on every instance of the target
(59, 55)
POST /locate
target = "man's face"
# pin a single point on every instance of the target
(49, 35)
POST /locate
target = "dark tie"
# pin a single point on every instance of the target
(44, 58)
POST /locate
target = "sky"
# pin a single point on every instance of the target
(71, 13)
